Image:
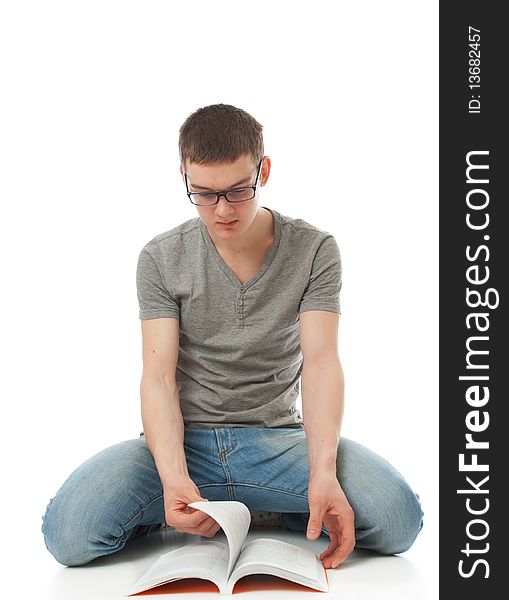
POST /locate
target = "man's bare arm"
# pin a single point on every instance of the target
(322, 403)
(164, 427)
(160, 405)
(322, 385)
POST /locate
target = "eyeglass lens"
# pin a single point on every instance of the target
(240, 195)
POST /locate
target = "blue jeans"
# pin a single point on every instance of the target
(117, 494)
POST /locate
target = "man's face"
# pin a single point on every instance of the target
(223, 177)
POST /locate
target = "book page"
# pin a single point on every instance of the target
(205, 560)
(275, 557)
(234, 518)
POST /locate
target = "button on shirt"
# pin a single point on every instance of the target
(239, 358)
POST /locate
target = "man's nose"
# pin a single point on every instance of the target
(223, 206)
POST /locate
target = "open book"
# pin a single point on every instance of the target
(225, 564)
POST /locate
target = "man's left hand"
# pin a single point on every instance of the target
(328, 504)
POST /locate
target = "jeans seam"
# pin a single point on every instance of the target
(222, 450)
(271, 489)
(121, 541)
(230, 485)
(229, 480)
(223, 458)
(143, 508)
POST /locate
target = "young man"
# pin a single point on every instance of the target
(238, 307)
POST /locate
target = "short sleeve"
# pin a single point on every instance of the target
(154, 299)
(322, 291)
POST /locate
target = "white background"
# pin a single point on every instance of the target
(93, 94)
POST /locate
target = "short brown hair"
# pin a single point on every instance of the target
(220, 133)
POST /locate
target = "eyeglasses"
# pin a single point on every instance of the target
(236, 195)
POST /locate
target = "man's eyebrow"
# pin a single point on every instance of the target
(200, 187)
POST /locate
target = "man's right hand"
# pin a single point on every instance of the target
(178, 493)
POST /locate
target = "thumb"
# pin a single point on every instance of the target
(314, 526)
(199, 498)
(196, 498)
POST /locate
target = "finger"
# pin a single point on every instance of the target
(207, 529)
(197, 498)
(340, 555)
(190, 520)
(347, 544)
(203, 525)
(314, 525)
(330, 554)
(212, 530)
(333, 545)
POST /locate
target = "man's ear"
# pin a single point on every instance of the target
(264, 175)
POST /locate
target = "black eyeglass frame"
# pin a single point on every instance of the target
(225, 192)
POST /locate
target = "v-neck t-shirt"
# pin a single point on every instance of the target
(240, 359)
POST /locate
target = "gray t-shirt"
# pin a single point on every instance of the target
(239, 358)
